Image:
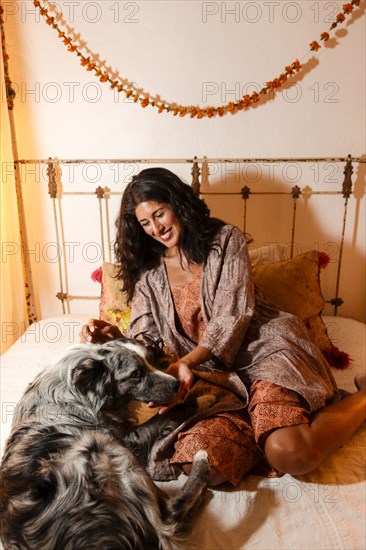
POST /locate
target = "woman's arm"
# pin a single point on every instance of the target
(197, 356)
(228, 284)
(228, 294)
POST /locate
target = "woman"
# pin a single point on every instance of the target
(189, 278)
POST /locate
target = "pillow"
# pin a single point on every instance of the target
(268, 253)
(113, 306)
(292, 285)
(120, 318)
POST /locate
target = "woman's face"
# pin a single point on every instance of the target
(159, 221)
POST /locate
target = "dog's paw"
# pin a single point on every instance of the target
(201, 466)
(200, 455)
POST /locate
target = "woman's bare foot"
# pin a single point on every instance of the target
(360, 381)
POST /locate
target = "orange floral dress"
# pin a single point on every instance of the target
(234, 440)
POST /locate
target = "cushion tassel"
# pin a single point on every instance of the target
(97, 275)
(337, 358)
(324, 260)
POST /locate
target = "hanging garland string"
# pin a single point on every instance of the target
(10, 93)
(145, 99)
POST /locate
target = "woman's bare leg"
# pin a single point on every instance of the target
(300, 449)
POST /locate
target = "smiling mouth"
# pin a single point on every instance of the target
(166, 236)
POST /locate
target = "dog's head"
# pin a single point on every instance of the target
(118, 370)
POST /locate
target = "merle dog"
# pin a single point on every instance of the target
(69, 480)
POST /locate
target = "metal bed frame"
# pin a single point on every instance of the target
(199, 175)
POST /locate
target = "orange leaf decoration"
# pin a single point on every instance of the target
(231, 107)
(314, 46)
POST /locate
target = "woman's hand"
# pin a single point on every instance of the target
(181, 371)
(98, 332)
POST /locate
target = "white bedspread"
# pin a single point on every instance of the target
(322, 510)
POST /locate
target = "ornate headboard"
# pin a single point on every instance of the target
(274, 200)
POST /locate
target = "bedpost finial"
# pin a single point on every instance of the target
(196, 172)
(347, 182)
(52, 183)
(245, 192)
(99, 192)
(54, 174)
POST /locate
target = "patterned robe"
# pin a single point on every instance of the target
(249, 338)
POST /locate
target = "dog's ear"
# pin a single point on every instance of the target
(88, 374)
(154, 350)
(112, 345)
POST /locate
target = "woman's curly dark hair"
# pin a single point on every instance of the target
(135, 251)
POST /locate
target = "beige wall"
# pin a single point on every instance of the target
(203, 53)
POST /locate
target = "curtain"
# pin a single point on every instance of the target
(13, 303)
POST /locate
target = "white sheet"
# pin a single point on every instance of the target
(322, 510)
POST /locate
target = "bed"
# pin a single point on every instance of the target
(322, 510)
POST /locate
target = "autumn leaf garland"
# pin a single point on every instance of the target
(232, 107)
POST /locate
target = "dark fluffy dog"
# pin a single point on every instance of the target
(68, 481)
